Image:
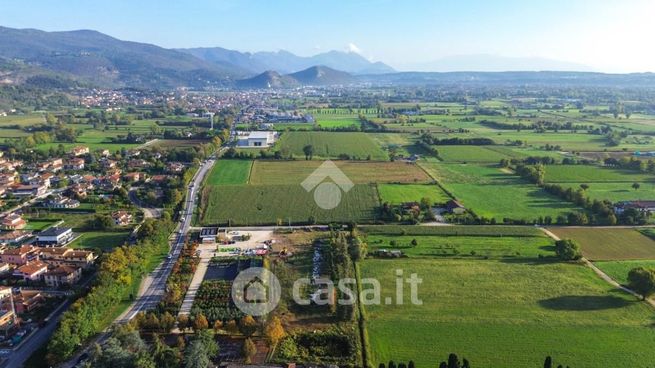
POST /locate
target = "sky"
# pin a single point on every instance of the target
(605, 35)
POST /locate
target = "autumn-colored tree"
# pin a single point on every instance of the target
(183, 322)
(248, 325)
(249, 350)
(231, 327)
(167, 322)
(200, 322)
(218, 325)
(274, 331)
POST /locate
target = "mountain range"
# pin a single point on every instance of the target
(89, 58)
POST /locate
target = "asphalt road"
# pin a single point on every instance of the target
(38, 339)
(154, 285)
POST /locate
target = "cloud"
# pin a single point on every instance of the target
(354, 48)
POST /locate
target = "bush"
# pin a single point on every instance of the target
(568, 250)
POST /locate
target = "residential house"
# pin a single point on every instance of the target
(29, 190)
(80, 150)
(32, 271)
(76, 163)
(27, 300)
(55, 236)
(61, 202)
(13, 221)
(175, 167)
(455, 207)
(63, 276)
(639, 205)
(121, 218)
(8, 317)
(20, 255)
(56, 164)
(13, 237)
(134, 176)
(67, 256)
(137, 164)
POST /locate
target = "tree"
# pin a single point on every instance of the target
(167, 322)
(183, 322)
(636, 186)
(274, 331)
(411, 364)
(453, 361)
(568, 250)
(200, 322)
(248, 325)
(391, 364)
(584, 186)
(548, 363)
(642, 281)
(196, 356)
(218, 325)
(249, 350)
(308, 150)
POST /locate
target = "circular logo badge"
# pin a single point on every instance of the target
(256, 291)
(327, 195)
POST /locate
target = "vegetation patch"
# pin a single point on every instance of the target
(610, 244)
(332, 145)
(399, 193)
(229, 172)
(500, 311)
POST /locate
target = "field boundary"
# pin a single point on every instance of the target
(605, 277)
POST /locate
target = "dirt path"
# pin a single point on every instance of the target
(602, 274)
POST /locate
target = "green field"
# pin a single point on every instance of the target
(616, 192)
(506, 313)
(476, 153)
(618, 270)
(399, 193)
(331, 145)
(229, 172)
(592, 174)
(294, 172)
(100, 240)
(493, 193)
(609, 244)
(455, 230)
(463, 246)
(270, 204)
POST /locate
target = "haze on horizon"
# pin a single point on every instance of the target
(603, 35)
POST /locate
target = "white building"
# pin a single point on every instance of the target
(258, 139)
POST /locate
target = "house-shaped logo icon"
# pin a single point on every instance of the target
(327, 194)
(255, 291)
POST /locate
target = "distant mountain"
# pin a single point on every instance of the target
(268, 79)
(322, 76)
(313, 76)
(286, 62)
(96, 58)
(495, 63)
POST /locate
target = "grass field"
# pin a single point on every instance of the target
(100, 240)
(618, 270)
(455, 230)
(492, 193)
(268, 204)
(464, 246)
(500, 313)
(229, 172)
(399, 193)
(476, 153)
(615, 192)
(610, 244)
(331, 145)
(294, 172)
(592, 174)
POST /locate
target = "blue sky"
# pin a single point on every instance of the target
(607, 35)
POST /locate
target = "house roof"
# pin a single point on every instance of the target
(32, 267)
(62, 270)
(208, 232)
(19, 250)
(55, 231)
(259, 135)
